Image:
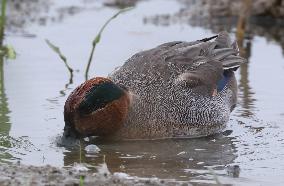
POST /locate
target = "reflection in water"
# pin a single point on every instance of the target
(172, 158)
(245, 51)
(5, 124)
(21, 14)
(4, 110)
(66, 87)
(246, 93)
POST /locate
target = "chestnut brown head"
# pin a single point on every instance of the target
(98, 107)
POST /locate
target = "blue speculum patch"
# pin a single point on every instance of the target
(224, 80)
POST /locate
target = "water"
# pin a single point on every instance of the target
(35, 86)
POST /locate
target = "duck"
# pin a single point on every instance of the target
(178, 89)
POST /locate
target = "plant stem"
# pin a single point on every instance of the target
(98, 38)
(89, 62)
(3, 20)
(81, 181)
(62, 57)
(80, 155)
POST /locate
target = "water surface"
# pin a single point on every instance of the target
(35, 86)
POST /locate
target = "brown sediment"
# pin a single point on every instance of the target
(17, 175)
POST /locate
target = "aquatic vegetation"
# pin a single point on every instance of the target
(81, 181)
(5, 50)
(94, 44)
(98, 38)
(2, 20)
(62, 57)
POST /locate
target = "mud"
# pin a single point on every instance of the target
(263, 19)
(17, 174)
(273, 8)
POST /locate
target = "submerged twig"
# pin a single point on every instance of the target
(62, 57)
(98, 37)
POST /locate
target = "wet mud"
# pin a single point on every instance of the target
(17, 175)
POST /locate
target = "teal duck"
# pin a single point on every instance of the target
(176, 90)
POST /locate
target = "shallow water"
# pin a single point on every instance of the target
(35, 86)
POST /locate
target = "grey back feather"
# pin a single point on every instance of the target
(206, 60)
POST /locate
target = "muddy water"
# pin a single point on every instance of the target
(35, 86)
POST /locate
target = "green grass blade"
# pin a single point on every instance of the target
(81, 181)
(98, 38)
(57, 51)
(11, 53)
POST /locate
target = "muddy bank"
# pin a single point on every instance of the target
(261, 18)
(17, 174)
(120, 3)
(273, 8)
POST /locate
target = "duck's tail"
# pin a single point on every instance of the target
(227, 52)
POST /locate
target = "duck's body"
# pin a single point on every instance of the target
(178, 89)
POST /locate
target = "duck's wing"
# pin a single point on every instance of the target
(206, 61)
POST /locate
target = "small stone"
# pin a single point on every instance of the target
(92, 149)
(233, 170)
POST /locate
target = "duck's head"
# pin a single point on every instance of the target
(98, 107)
